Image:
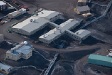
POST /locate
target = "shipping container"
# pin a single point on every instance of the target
(100, 60)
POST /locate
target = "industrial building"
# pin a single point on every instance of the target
(82, 2)
(16, 13)
(5, 68)
(30, 26)
(100, 60)
(23, 50)
(79, 35)
(57, 32)
(82, 34)
(36, 22)
(1, 38)
(83, 9)
(45, 18)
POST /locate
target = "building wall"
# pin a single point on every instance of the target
(73, 36)
(13, 56)
(20, 31)
(3, 7)
(26, 56)
(86, 36)
(44, 40)
(51, 40)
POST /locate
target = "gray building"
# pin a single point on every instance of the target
(82, 9)
(36, 22)
(59, 31)
(79, 35)
(23, 50)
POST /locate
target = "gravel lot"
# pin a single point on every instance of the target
(66, 7)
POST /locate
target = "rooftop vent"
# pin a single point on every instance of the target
(31, 20)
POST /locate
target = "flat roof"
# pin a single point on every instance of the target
(83, 8)
(28, 26)
(36, 21)
(69, 24)
(48, 14)
(22, 48)
(82, 33)
(101, 58)
(82, 0)
(59, 31)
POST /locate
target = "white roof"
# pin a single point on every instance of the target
(82, 33)
(22, 11)
(48, 14)
(56, 32)
(4, 66)
(38, 21)
(69, 24)
(82, 0)
(51, 34)
(2, 3)
(29, 26)
(83, 8)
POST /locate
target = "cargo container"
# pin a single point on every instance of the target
(100, 60)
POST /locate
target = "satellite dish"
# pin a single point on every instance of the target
(25, 42)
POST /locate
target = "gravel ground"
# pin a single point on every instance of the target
(26, 71)
(66, 7)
